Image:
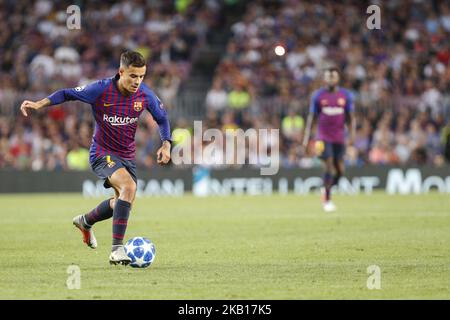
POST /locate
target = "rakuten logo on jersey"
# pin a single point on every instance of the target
(332, 111)
(119, 121)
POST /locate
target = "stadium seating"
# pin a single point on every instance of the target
(399, 75)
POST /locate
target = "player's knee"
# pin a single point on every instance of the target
(112, 202)
(339, 170)
(328, 165)
(127, 191)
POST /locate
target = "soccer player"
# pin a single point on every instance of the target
(116, 103)
(331, 108)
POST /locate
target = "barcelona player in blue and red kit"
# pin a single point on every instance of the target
(116, 103)
(331, 109)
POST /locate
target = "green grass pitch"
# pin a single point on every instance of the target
(276, 247)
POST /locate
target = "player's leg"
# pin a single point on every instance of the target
(102, 212)
(103, 168)
(122, 181)
(339, 170)
(325, 153)
(85, 222)
(338, 161)
(328, 174)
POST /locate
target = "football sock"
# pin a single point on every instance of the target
(120, 220)
(102, 212)
(328, 183)
(336, 179)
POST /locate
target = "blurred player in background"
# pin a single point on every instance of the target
(117, 103)
(331, 109)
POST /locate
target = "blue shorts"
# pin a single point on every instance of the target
(105, 166)
(330, 150)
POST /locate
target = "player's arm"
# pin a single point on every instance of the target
(352, 128)
(88, 94)
(27, 104)
(310, 123)
(312, 119)
(158, 113)
(350, 119)
(163, 153)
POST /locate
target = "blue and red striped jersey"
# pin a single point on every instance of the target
(331, 109)
(116, 115)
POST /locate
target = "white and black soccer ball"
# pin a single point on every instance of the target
(141, 251)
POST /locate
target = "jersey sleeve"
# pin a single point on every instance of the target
(349, 106)
(315, 106)
(156, 109)
(88, 93)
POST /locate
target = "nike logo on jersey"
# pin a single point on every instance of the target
(107, 104)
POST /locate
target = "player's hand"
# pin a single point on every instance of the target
(304, 146)
(28, 105)
(163, 153)
(351, 140)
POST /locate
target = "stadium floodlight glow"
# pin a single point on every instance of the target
(280, 50)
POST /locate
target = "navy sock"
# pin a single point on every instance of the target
(102, 212)
(336, 178)
(328, 183)
(120, 221)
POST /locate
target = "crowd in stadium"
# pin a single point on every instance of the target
(39, 54)
(399, 75)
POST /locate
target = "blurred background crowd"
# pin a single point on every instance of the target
(39, 54)
(399, 75)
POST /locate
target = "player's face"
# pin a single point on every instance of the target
(131, 77)
(331, 78)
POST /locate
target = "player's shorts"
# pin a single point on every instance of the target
(105, 166)
(327, 150)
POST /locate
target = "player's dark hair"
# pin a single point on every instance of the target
(132, 58)
(331, 69)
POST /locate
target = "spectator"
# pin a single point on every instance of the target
(431, 99)
(40, 54)
(445, 139)
(292, 126)
(181, 134)
(77, 157)
(217, 97)
(239, 98)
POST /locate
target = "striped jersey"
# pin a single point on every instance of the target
(116, 115)
(331, 109)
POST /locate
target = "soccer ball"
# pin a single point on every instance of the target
(141, 252)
